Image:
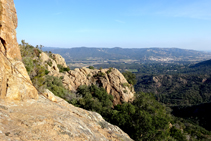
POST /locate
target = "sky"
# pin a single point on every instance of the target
(115, 23)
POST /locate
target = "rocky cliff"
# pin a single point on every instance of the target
(25, 116)
(8, 24)
(13, 85)
(110, 79)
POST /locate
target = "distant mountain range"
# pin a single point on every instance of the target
(135, 54)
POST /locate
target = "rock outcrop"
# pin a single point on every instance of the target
(13, 85)
(59, 60)
(8, 24)
(110, 79)
(50, 63)
(44, 120)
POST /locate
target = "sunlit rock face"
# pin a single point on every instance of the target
(44, 120)
(8, 25)
(59, 60)
(110, 79)
(13, 85)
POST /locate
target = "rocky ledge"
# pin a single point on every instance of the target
(43, 119)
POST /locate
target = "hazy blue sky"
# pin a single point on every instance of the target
(110, 23)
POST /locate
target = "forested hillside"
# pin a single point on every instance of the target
(176, 84)
(178, 89)
(185, 87)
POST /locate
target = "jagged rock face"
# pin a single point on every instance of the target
(110, 79)
(13, 85)
(51, 64)
(45, 120)
(59, 60)
(8, 24)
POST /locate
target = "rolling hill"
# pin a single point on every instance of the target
(135, 54)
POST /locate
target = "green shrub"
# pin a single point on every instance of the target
(49, 62)
(125, 91)
(177, 134)
(63, 69)
(130, 77)
(91, 67)
(46, 72)
(28, 62)
(124, 85)
(54, 84)
(109, 70)
(94, 98)
(99, 74)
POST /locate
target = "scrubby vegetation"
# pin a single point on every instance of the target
(143, 119)
(30, 56)
(63, 69)
(109, 70)
(91, 67)
(54, 84)
(183, 86)
(99, 74)
(130, 77)
(93, 98)
(38, 73)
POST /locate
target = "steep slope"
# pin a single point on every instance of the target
(202, 64)
(178, 89)
(25, 116)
